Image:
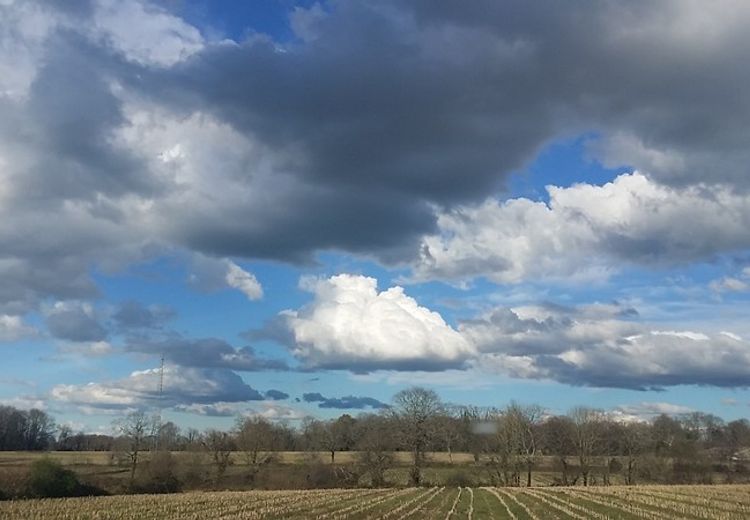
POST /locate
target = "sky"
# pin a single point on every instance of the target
(305, 207)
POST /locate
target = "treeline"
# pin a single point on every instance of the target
(583, 447)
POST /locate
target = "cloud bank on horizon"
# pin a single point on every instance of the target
(387, 133)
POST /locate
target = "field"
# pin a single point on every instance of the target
(616, 502)
(287, 472)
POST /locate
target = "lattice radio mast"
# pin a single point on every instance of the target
(159, 404)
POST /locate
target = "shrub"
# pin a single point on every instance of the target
(49, 479)
(160, 475)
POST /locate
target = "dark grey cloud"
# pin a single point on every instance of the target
(596, 346)
(276, 395)
(183, 386)
(204, 353)
(386, 109)
(349, 402)
(73, 113)
(74, 322)
(134, 315)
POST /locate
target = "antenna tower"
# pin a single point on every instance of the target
(159, 405)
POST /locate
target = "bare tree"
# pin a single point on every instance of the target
(450, 428)
(219, 445)
(331, 436)
(415, 409)
(192, 439)
(134, 429)
(375, 444)
(503, 450)
(169, 436)
(40, 430)
(587, 427)
(557, 437)
(634, 444)
(523, 425)
(256, 438)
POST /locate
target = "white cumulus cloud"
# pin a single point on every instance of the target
(350, 324)
(243, 281)
(586, 231)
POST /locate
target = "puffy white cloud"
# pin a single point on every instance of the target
(586, 231)
(243, 281)
(352, 325)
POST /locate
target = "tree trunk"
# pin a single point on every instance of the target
(133, 465)
(564, 470)
(631, 464)
(528, 474)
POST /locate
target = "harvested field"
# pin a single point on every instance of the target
(449, 503)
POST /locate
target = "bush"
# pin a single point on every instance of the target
(322, 476)
(160, 475)
(49, 479)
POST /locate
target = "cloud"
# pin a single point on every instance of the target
(144, 32)
(266, 410)
(134, 315)
(644, 412)
(88, 349)
(182, 386)
(12, 328)
(729, 284)
(600, 352)
(276, 412)
(27, 402)
(652, 409)
(276, 395)
(740, 283)
(350, 325)
(586, 231)
(203, 353)
(125, 131)
(74, 321)
(219, 409)
(349, 402)
(210, 274)
(243, 281)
